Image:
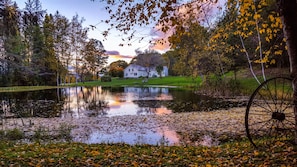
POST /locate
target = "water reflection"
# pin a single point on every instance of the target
(158, 136)
(97, 102)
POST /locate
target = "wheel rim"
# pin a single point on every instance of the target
(269, 114)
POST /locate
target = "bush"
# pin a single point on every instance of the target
(218, 86)
(14, 134)
(106, 79)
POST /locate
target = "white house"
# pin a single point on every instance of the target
(136, 71)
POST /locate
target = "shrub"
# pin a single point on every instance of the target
(15, 134)
(40, 134)
(106, 79)
(64, 132)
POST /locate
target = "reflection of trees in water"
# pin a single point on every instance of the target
(187, 101)
(148, 106)
(91, 102)
(96, 108)
(54, 103)
(31, 104)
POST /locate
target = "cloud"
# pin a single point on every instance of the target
(205, 15)
(114, 55)
(160, 39)
(112, 52)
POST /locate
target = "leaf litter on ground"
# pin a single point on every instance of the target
(190, 153)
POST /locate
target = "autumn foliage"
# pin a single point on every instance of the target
(77, 154)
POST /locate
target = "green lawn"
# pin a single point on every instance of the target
(165, 81)
(247, 85)
(25, 88)
(186, 82)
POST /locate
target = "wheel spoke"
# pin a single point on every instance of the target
(266, 123)
(267, 110)
(270, 112)
(265, 102)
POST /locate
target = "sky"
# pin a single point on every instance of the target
(94, 12)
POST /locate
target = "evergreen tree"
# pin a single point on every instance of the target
(50, 60)
(32, 20)
(11, 72)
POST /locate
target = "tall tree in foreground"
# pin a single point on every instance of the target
(288, 13)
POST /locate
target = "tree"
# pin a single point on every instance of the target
(61, 44)
(149, 59)
(94, 57)
(116, 69)
(288, 13)
(12, 48)
(159, 69)
(193, 57)
(78, 36)
(50, 66)
(34, 40)
(170, 59)
(260, 25)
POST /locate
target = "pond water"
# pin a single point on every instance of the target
(106, 103)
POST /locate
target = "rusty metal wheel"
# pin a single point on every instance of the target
(269, 116)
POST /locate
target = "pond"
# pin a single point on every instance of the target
(105, 105)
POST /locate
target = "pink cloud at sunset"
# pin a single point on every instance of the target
(204, 15)
(115, 56)
(160, 39)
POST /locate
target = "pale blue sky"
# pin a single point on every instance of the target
(93, 13)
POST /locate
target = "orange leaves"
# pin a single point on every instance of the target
(77, 154)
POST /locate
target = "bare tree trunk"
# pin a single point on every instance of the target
(288, 13)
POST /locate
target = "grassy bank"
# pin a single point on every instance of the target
(25, 88)
(77, 154)
(167, 81)
(248, 84)
(186, 82)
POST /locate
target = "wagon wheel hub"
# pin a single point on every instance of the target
(278, 116)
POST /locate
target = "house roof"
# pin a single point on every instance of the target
(137, 67)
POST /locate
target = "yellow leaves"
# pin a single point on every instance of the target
(208, 165)
(257, 16)
(94, 153)
(267, 39)
(278, 52)
(271, 18)
(273, 61)
(256, 153)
